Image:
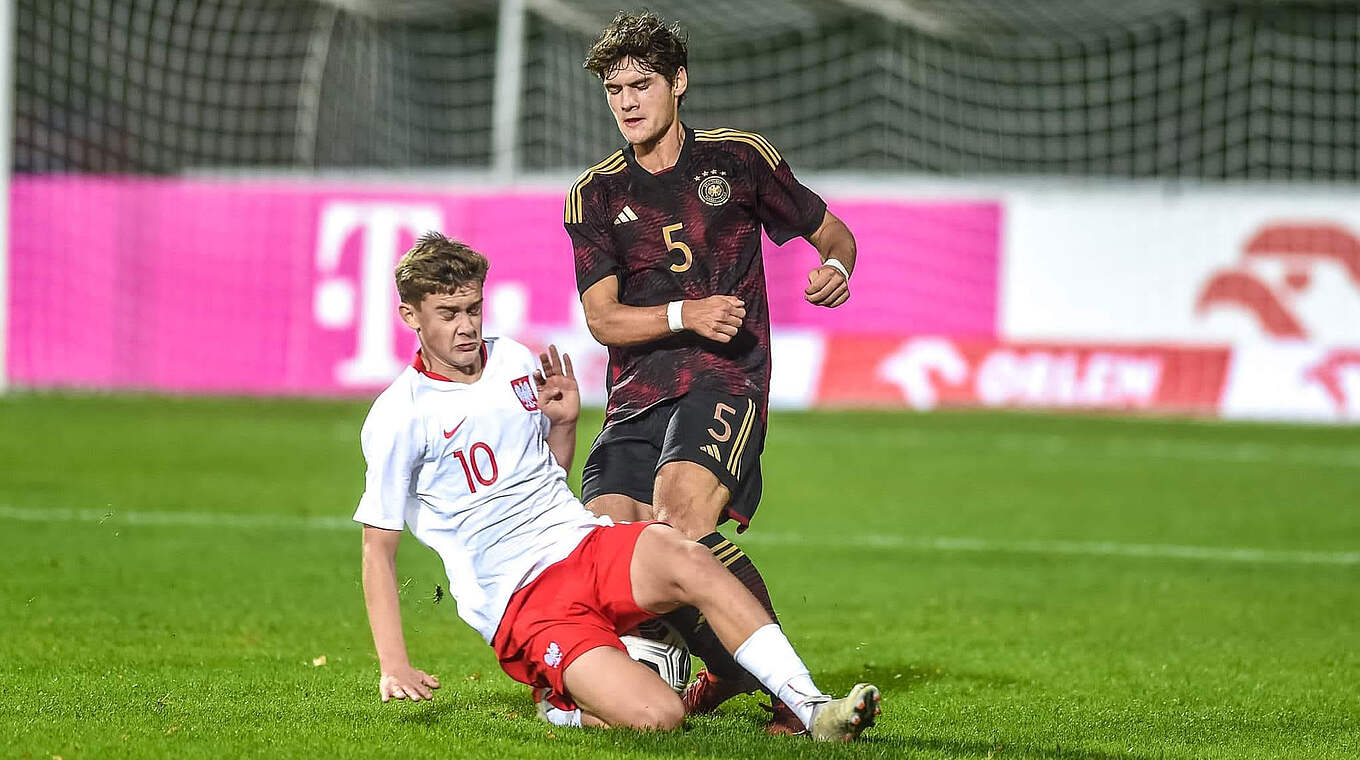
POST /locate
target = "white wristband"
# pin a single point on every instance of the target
(673, 316)
(837, 265)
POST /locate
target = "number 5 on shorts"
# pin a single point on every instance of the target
(718, 412)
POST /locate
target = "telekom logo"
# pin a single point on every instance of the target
(369, 305)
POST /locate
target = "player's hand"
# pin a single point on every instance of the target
(407, 683)
(558, 395)
(717, 318)
(827, 287)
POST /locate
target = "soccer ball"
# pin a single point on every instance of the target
(660, 647)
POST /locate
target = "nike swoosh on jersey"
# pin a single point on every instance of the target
(449, 433)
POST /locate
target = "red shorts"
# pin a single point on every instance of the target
(580, 603)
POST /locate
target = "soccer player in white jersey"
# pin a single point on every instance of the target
(469, 447)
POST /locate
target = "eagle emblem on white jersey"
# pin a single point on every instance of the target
(524, 389)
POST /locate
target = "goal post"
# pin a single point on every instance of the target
(6, 167)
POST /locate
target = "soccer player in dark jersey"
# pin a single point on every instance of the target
(666, 234)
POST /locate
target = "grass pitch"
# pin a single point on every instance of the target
(178, 578)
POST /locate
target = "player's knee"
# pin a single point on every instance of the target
(662, 715)
(668, 715)
(672, 715)
(695, 566)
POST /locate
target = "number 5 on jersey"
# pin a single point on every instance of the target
(472, 467)
(677, 245)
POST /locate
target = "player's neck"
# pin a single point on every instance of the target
(662, 153)
(452, 372)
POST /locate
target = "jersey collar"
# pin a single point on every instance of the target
(678, 170)
(419, 364)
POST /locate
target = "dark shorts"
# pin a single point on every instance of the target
(722, 432)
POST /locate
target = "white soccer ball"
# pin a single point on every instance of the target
(661, 648)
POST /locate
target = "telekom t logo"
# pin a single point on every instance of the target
(370, 307)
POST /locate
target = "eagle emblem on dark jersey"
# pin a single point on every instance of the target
(714, 190)
(524, 389)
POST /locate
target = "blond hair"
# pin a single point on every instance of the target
(436, 264)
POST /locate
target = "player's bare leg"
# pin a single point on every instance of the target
(668, 571)
(691, 498)
(620, 508)
(615, 690)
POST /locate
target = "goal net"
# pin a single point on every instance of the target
(1249, 90)
(1113, 293)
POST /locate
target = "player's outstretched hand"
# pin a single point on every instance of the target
(558, 394)
(827, 287)
(407, 683)
(717, 318)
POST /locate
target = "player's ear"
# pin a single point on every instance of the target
(408, 315)
(680, 83)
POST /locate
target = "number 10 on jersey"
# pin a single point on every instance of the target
(473, 465)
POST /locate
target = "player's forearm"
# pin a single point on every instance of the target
(620, 325)
(562, 443)
(835, 241)
(384, 609)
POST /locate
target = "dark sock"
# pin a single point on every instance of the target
(741, 566)
(698, 634)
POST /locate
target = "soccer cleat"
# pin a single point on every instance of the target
(783, 722)
(844, 719)
(706, 692)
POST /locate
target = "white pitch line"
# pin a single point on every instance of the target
(1248, 555)
(186, 519)
(1123, 447)
(1244, 554)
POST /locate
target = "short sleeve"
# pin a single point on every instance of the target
(393, 451)
(592, 245)
(786, 208)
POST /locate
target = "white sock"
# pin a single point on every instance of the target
(769, 656)
(559, 717)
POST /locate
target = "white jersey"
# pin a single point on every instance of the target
(468, 469)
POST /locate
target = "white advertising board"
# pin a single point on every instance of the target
(1202, 266)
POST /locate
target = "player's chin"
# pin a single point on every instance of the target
(638, 132)
(464, 353)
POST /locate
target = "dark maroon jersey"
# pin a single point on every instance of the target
(689, 232)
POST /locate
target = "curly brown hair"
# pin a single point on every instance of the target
(436, 264)
(646, 39)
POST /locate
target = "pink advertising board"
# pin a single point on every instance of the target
(285, 288)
